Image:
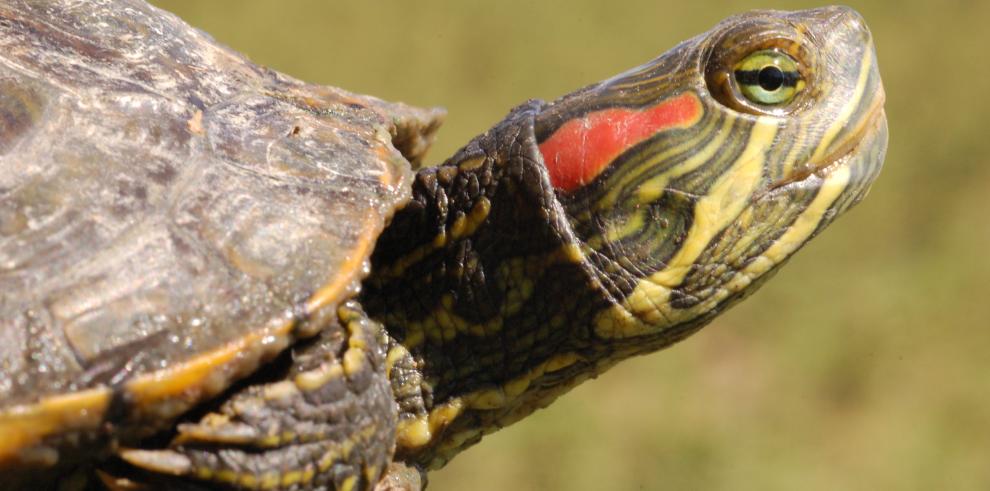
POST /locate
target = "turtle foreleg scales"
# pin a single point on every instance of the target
(327, 423)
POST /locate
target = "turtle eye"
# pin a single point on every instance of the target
(768, 78)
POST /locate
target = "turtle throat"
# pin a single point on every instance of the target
(485, 294)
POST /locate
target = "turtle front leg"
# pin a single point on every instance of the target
(327, 423)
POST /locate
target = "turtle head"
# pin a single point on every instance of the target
(620, 218)
(688, 179)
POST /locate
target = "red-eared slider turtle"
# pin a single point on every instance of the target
(184, 235)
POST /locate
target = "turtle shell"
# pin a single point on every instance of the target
(171, 215)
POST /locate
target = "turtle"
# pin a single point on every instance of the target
(215, 275)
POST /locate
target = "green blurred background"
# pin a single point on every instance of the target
(862, 365)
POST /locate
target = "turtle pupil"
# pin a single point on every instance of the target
(771, 78)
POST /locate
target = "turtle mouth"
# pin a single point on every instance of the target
(861, 139)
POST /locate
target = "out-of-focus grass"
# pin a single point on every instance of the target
(862, 365)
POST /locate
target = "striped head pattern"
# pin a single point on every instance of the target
(688, 179)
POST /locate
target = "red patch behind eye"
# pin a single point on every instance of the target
(581, 149)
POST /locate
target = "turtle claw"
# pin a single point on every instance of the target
(161, 461)
(117, 483)
(217, 429)
(399, 476)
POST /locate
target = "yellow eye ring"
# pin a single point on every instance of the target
(768, 78)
